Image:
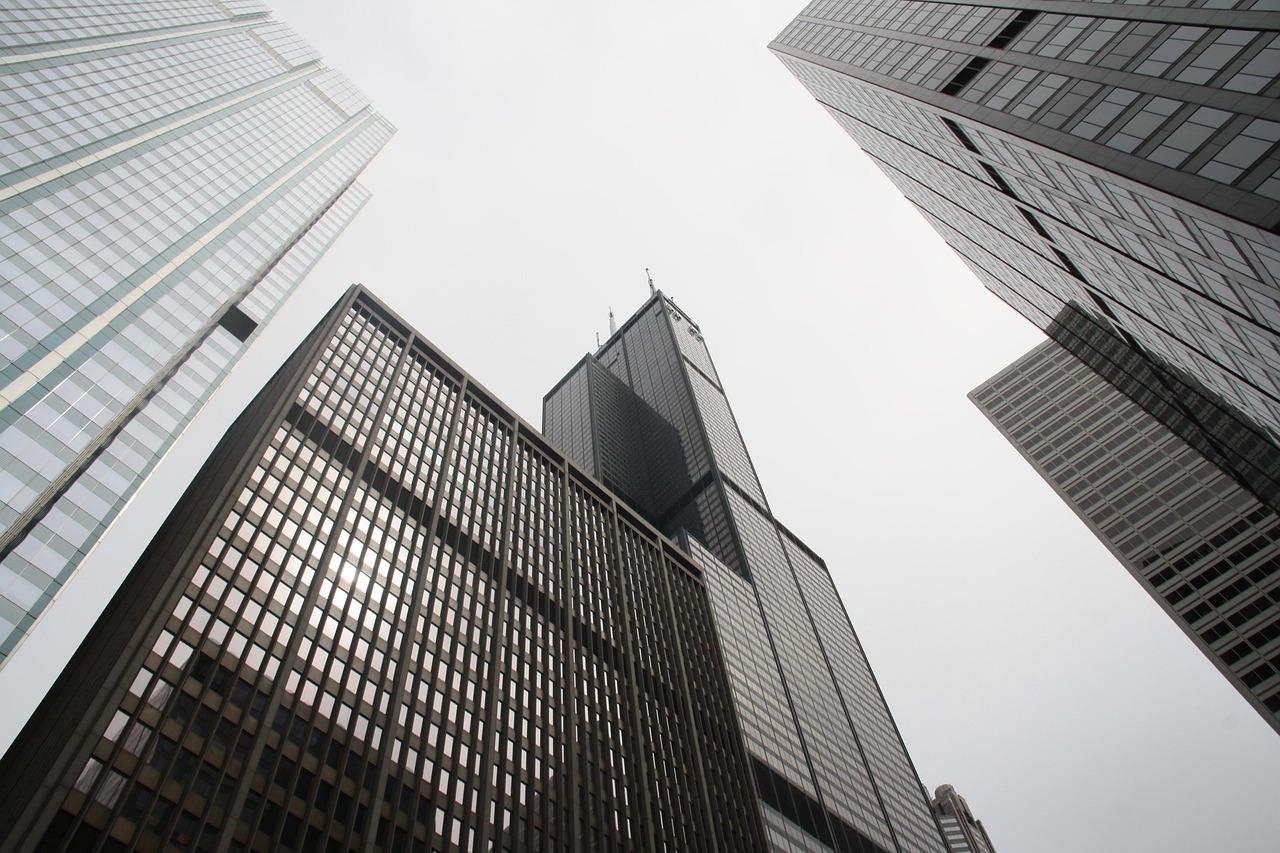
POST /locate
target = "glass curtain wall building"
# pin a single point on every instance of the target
(169, 172)
(648, 416)
(1117, 156)
(387, 615)
(1177, 513)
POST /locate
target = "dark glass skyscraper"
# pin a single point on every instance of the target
(1119, 157)
(169, 172)
(1197, 527)
(1110, 171)
(387, 615)
(648, 416)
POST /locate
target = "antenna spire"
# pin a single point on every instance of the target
(613, 324)
(652, 289)
(597, 340)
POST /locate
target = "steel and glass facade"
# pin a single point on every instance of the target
(1198, 528)
(169, 172)
(387, 615)
(648, 413)
(1119, 156)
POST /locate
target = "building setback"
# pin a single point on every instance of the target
(963, 833)
(1118, 157)
(647, 415)
(1180, 516)
(168, 174)
(388, 615)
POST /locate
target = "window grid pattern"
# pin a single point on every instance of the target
(108, 227)
(146, 189)
(645, 432)
(42, 22)
(727, 447)
(653, 370)
(626, 462)
(1197, 541)
(104, 97)
(842, 776)
(614, 410)
(414, 629)
(531, 692)
(1191, 287)
(768, 726)
(1046, 80)
(786, 837)
(573, 434)
(709, 513)
(693, 347)
(878, 737)
(37, 566)
(805, 753)
(720, 745)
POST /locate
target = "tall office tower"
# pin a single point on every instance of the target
(1214, 429)
(168, 174)
(962, 832)
(388, 616)
(1119, 156)
(647, 415)
(1179, 515)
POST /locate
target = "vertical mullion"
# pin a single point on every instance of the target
(435, 545)
(392, 728)
(498, 629)
(290, 653)
(571, 652)
(629, 635)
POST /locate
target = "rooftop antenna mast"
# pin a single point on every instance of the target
(613, 324)
(652, 289)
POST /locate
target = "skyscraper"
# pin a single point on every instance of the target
(1120, 158)
(963, 833)
(1201, 537)
(168, 174)
(648, 416)
(387, 615)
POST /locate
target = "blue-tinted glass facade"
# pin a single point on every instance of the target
(168, 174)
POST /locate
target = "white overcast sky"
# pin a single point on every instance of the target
(548, 152)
